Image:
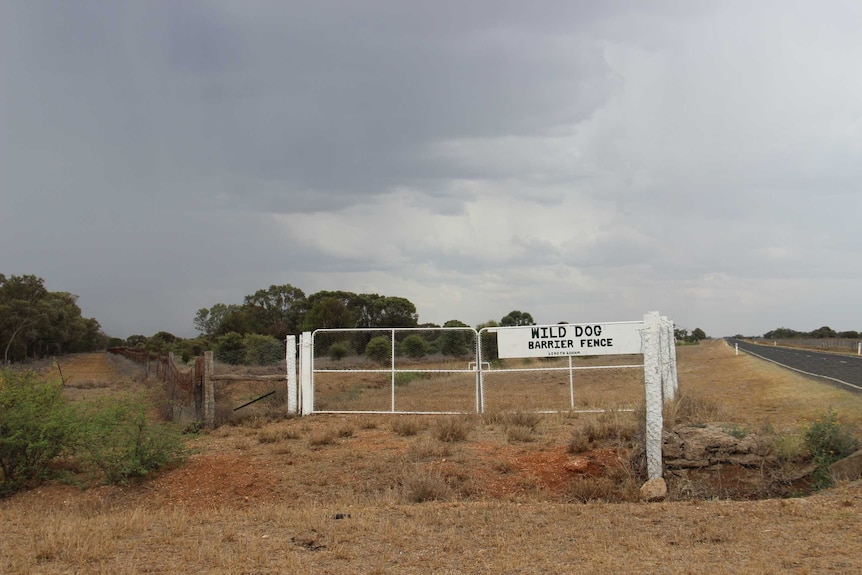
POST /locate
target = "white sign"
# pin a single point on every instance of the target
(570, 339)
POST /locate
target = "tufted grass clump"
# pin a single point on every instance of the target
(452, 428)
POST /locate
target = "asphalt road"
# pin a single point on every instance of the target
(844, 370)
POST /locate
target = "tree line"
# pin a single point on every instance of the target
(824, 332)
(35, 322)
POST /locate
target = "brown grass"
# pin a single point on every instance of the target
(304, 496)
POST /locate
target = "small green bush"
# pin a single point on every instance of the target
(338, 351)
(828, 440)
(414, 346)
(35, 427)
(403, 378)
(262, 350)
(379, 349)
(230, 348)
(112, 438)
(117, 439)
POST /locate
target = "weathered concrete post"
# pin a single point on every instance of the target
(653, 387)
(306, 385)
(292, 387)
(209, 391)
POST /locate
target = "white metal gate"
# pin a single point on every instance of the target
(450, 370)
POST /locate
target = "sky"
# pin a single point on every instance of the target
(580, 161)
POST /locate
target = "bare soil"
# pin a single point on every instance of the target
(348, 494)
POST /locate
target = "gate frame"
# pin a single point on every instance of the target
(659, 365)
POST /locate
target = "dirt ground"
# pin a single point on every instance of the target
(382, 494)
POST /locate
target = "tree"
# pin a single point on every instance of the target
(517, 318)
(276, 311)
(455, 342)
(208, 321)
(21, 309)
(489, 340)
(698, 334)
(328, 310)
(395, 312)
(823, 333)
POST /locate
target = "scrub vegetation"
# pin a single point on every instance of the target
(507, 491)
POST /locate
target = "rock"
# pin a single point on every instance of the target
(847, 469)
(654, 490)
(577, 464)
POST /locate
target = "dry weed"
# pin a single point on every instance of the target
(407, 426)
(519, 433)
(424, 485)
(453, 428)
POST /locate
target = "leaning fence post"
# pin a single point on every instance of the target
(209, 391)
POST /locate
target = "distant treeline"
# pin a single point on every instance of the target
(824, 332)
(35, 322)
(253, 332)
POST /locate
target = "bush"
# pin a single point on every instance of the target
(35, 427)
(828, 441)
(379, 349)
(262, 350)
(230, 348)
(113, 438)
(338, 351)
(414, 346)
(116, 438)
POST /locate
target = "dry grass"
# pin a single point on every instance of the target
(306, 496)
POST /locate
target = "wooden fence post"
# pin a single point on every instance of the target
(209, 391)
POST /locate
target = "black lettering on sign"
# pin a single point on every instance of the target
(554, 331)
(601, 342)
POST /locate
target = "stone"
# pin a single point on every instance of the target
(654, 490)
(847, 469)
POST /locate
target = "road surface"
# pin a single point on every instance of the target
(845, 370)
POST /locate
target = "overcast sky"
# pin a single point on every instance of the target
(578, 160)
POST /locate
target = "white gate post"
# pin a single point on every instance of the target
(292, 389)
(306, 385)
(653, 392)
(670, 382)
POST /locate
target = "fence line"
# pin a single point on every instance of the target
(830, 343)
(182, 384)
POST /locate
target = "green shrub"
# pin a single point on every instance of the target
(116, 438)
(379, 349)
(338, 351)
(414, 346)
(262, 350)
(35, 427)
(403, 378)
(230, 348)
(828, 440)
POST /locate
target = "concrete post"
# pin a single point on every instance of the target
(653, 391)
(209, 391)
(292, 390)
(306, 383)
